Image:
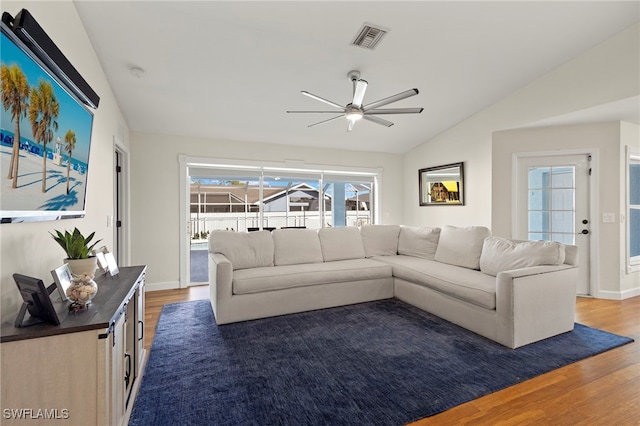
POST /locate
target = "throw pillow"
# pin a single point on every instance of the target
(243, 249)
(500, 254)
(380, 240)
(295, 246)
(341, 243)
(418, 242)
(461, 246)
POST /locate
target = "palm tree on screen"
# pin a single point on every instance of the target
(15, 93)
(43, 112)
(70, 139)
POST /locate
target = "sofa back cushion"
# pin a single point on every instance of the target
(295, 246)
(243, 249)
(461, 246)
(380, 240)
(342, 243)
(418, 242)
(500, 254)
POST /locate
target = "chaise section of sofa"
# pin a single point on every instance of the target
(512, 292)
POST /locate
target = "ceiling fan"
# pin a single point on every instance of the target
(355, 110)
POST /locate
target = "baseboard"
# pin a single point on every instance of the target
(170, 285)
(619, 295)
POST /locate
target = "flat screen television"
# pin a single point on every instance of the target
(45, 136)
(36, 301)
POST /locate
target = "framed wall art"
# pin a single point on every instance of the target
(442, 185)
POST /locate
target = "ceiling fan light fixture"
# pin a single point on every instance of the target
(354, 115)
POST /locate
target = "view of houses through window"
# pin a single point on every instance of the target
(249, 203)
(251, 198)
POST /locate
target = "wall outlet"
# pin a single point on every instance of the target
(608, 217)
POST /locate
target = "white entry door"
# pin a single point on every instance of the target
(553, 204)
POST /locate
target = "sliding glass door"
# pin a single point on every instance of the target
(264, 198)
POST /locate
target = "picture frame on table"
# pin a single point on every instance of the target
(62, 277)
(112, 265)
(102, 262)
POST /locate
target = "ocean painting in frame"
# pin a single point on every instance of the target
(43, 172)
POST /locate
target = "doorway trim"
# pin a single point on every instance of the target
(593, 203)
(124, 247)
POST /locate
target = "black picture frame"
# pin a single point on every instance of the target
(442, 185)
(36, 301)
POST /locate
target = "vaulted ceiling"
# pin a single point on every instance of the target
(229, 70)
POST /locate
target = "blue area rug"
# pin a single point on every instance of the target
(377, 363)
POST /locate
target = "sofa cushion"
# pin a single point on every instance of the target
(500, 254)
(380, 240)
(418, 242)
(243, 249)
(258, 280)
(461, 246)
(342, 243)
(295, 246)
(461, 283)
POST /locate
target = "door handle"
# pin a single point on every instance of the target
(585, 231)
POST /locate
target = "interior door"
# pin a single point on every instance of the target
(553, 204)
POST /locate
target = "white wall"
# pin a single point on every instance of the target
(606, 73)
(155, 189)
(27, 248)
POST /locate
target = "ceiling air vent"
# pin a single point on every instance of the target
(369, 36)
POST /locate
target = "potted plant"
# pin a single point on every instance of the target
(78, 251)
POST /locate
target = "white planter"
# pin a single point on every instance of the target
(83, 266)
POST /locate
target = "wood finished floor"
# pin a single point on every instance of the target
(601, 390)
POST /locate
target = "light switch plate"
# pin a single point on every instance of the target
(608, 217)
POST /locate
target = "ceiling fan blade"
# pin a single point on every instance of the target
(390, 99)
(395, 111)
(313, 112)
(359, 87)
(378, 120)
(326, 121)
(318, 98)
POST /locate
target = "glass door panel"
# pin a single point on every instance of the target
(551, 204)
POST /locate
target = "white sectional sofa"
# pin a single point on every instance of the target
(513, 292)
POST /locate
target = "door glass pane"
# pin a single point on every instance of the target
(539, 177)
(220, 202)
(551, 203)
(538, 221)
(562, 177)
(562, 199)
(350, 203)
(538, 199)
(223, 202)
(562, 221)
(537, 237)
(291, 202)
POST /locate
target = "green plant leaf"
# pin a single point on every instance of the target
(75, 244)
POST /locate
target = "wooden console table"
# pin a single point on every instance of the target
(84, 371)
